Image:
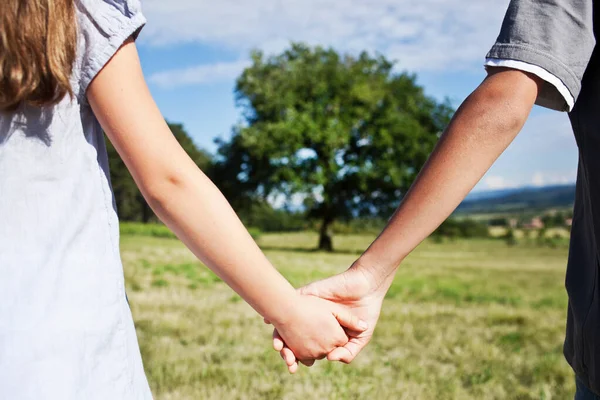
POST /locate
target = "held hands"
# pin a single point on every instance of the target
(313, 329)
(358, 296)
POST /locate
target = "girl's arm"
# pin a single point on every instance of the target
(192, 206)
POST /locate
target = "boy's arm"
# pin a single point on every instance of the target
(192, 206)
(482, 128)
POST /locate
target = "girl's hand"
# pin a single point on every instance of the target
(314, 328)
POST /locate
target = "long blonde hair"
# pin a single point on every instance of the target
(38, 44)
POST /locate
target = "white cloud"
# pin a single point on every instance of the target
(495, 182)
(199, 74)
(543, 154)
(540, 179)
(537, 179)
(441, 35)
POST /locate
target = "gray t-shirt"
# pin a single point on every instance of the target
(560, 37)
(66, 331)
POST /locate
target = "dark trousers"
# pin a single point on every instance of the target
(583, 393)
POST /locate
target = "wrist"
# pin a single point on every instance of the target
(283, 309)
(378, 273)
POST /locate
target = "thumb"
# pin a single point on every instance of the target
(325, 289)
(349, 321)
(312, 289)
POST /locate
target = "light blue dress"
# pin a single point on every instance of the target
(66, 330)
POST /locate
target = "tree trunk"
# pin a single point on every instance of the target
(325, 239)
(147, 212)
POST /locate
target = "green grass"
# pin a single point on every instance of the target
(463, 320)
(139, 229)
(161, 231)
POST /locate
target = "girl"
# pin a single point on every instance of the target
(69, 70)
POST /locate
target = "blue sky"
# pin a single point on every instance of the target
(193, 50)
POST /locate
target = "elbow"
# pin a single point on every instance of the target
(506, 99)
(160, 192)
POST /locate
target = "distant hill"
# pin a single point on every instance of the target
(492, 194)
(519, 199)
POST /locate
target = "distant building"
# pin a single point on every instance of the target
(535, 223)
(569, 222)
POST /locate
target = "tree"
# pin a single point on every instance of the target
(500, 221)
(346, 134)
(131, 205)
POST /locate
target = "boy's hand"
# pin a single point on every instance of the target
(313, 329)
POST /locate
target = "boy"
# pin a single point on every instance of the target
(545, 54)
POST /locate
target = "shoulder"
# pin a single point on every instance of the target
(104, 25)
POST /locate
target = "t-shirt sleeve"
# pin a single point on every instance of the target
(554, 92)
(104, 25)
(557, 36)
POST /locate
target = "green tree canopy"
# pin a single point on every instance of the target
(131, 205)
(346, 134)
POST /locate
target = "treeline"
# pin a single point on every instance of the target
(462, 228)
(549, 219)
(520, 200)
(261, 216)
(256, 214)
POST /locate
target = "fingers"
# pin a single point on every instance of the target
(339, 354)
(290, 360)
(266, 321)
(288, 356)
(345, 354)
(293, 368)
(347, 320)
(277, 341)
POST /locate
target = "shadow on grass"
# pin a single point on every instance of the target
(309, 250)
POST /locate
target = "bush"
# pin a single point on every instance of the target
(267, 219)
(502, 222)
(466, 228)
(161, 231)
(139, 229)
(255, 233)
(553, 241)
(510, 237)
(358, 226)
(542, 237)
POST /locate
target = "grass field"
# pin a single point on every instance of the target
(463, 320)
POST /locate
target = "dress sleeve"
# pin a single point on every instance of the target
(104, 25)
